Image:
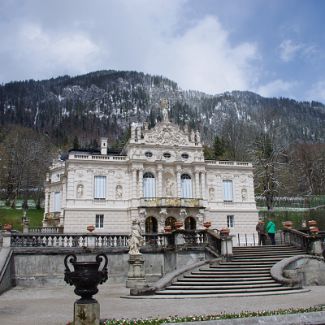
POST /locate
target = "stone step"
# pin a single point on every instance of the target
(221, 282)
(263, 258)
(167, 295)
(229, 278)
(238, 268)
(240, 265)
(179, 286)
(222, 291)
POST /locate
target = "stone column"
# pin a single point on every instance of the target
(159, 182)
(140, 190)
(203, 185)
(179, 183)
(134, 183)
(197, 185)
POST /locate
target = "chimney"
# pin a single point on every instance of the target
(103, 146)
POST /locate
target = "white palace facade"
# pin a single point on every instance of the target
(161, 178)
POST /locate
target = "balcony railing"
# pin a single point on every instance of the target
(171, 202)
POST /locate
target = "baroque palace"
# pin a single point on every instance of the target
(160, 177)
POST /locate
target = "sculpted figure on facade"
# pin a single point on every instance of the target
(80, 191)
(119, 192)
(136, 240)
(244, 194)
(169, 187)
(211, 194)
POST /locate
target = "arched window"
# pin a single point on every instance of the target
(170, 221)
(186, 182)
(190, 223)
(151, 225)
(149, 185)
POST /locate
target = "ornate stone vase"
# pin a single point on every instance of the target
(178, 224)
(207, 224)
(86, 276)
(288, 224)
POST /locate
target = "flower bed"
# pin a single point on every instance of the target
(180, 319)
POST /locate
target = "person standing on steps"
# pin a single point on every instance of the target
(270, 229)
(260, 228)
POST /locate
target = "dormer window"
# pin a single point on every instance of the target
(148, 154)
(167, 155)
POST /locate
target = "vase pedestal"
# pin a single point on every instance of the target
(136, 274)
(86, 313)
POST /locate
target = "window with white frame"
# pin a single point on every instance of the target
(149, 185)
(100, 188)
(99, 221)
(57, 202)
(228, 191)
(186, 185)
(231, 221)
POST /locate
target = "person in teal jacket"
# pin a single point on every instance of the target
(270, 229)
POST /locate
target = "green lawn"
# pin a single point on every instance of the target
(13, 216)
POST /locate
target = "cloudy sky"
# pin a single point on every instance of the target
(272, 47)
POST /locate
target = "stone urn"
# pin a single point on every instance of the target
(90, 228)
(178, 224)
(168, 229)
(207, 224)
(312, 223)
(288, 224)
(86, 276)
(7, 227)
(224, 231)
(314, 230)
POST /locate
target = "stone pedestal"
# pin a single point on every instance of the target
(136, 274)
(316, 248)
(91, 241)
(86, 313)
(6, 239)
(25, 228)
(226, 246)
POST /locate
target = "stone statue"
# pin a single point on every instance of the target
(169, 187)
(244, 194)
(80, 190)
(135, 241)
(211, 193)
(119, 192)
(164, 106)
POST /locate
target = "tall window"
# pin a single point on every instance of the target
(57, 202)
(100, 188)
(186, 182)
(99, 221)
(228, 191)
(230, 221)
(149, 185)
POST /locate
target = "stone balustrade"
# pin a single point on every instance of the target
(164, 240)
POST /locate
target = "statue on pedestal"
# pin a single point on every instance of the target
(135, 241)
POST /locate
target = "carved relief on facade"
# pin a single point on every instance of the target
(142, 218)
(166, 134)
(162, 218)
(119, 192)
(79, 191)
(199, 220)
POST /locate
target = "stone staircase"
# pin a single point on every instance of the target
(248, 273)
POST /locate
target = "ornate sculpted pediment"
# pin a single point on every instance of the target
(166, 134)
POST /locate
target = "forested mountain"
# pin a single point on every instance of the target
(106, 102)
(75, 111)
